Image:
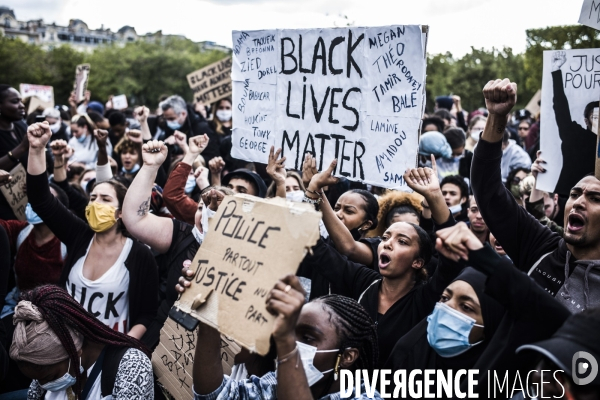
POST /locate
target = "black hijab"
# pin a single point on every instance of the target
(412, 351)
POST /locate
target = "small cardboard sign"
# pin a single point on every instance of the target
(173, 359)
(38, 95)
(590, 14)
(82, 76)
(534, 104)
(120, 102)
(212, 82)
(251, 244)
(15, 192)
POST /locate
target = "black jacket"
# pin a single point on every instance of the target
(523, 238)
(352, 279)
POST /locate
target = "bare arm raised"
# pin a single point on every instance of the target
(157, 232)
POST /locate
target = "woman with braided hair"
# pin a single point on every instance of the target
(71, 355)
(314, 342)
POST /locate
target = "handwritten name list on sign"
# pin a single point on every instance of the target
(15, 193)
(250, 245)
(355, 94)
(212, 82)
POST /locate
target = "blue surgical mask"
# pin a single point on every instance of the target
(190, 184)
(81, 138)
(173, 125)
(448, 331)
(62, 383)
(31, 216)
(133, 170)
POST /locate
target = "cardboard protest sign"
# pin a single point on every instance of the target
(590, 14)
(38, 95)
(15, 192)
(173, 359)
(212, 82)
(355, 94)
(119, 102)
(82, 76)
(534, 104)
(570, 86)
(250, 245)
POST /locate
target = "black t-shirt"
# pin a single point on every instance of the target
(184, 246)
(8, 141)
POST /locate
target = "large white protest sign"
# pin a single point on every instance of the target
(590, 14)
(569, 117)
(355, 94)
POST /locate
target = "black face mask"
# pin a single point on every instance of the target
(356, 234)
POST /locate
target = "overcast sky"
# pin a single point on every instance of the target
(455, 25)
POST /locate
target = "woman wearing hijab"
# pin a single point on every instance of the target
(456, 333)
(531, 314)
(69, 354)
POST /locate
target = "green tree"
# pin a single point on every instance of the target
(554, 38)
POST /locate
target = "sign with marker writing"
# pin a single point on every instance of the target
(173, 359)
(251, 243)
(355, 94)
(569, 118)
(15, 192)
(82, 76)
(38, 95)
(590, 14)
(212, 82)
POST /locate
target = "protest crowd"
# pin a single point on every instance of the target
(472, 268)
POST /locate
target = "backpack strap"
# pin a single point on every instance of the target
(110, 367)
(23, 235)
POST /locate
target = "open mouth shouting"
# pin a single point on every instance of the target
(575, 222)
(384, 260)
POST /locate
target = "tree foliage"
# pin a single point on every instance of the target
(554, 38)
(146, 70)
(141, 70)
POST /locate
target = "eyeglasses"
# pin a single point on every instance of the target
(522, 128)
(516, 180)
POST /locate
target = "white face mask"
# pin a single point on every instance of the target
(55, 126)
(190, 184)
(307, 355)
(475, 135)
(224, 115)
(296, 195)
(456, 209)
(64, 382)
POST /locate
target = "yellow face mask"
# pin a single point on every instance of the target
(101, 217)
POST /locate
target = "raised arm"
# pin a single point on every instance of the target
(103, 170)
(181, 206)
(216, 166)
(276, 170)
(523, 238)
(562, 112)
(285, 302)
(62, 222)
(141, 115)
(510, 287)
(207, 373)
(157, 232)
(425, 181)
(9, 161)
(342, 238)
